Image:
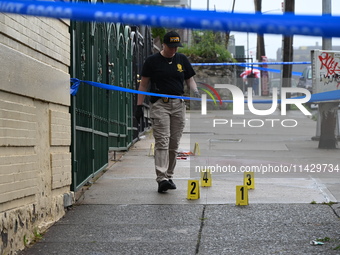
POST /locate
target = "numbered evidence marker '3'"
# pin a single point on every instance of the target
(206, 180)
(249, 180)
(193, 189)
(241, 195)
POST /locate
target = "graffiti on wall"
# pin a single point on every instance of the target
(326, 65)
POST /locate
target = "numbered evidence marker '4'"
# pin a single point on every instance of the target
(249, 180)
(193, 189)
(241, 195)
(206, 178)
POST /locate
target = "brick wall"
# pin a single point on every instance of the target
(35, 127)
(43, 39)
(18, 137)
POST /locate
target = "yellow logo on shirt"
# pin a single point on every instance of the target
(180, 69)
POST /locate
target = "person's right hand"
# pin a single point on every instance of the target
(139, 112)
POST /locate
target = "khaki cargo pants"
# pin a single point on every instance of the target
(168, 120)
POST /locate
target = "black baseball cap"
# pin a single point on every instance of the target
(172, 39)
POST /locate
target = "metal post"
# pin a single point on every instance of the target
(327, 10)
(288, 51)
(327, 125)
(248, 45)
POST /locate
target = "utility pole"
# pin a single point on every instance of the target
(260, 54)
(227, 34)
(289, 7)
(260, 50)
(327, 112)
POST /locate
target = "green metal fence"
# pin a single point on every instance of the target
(102, 120)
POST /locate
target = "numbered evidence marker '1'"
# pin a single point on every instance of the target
(241, 195)
(206, 178)
(249, 180)
(193, 189)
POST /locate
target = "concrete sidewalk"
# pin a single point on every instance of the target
(122, 212)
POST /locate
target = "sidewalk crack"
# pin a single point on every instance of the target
(334, 211)
(200, 230)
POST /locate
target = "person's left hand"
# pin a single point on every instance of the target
(197, 93)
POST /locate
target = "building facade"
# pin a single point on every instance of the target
(35, 127)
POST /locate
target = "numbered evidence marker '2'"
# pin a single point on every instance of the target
(193, 189)
(241, 195)
(206, 178)
(249, 180)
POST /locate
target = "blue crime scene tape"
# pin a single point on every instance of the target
(318, 97)
(257, 64)
(171, 17)
(269, 69)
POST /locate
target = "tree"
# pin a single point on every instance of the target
(207, 46)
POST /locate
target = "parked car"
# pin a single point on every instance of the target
(276, 83)
(305, 80)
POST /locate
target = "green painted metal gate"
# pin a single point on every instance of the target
(102, 120)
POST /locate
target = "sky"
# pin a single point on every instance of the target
(272, 42)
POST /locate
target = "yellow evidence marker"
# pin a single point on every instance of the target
(241, 195)
(193, 189)
(206, 180)
(197, 150)
(152, 149)
(249, 180)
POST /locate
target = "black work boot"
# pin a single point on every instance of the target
(164, 186)
(173, 185)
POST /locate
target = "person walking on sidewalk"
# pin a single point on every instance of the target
(166, 72)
